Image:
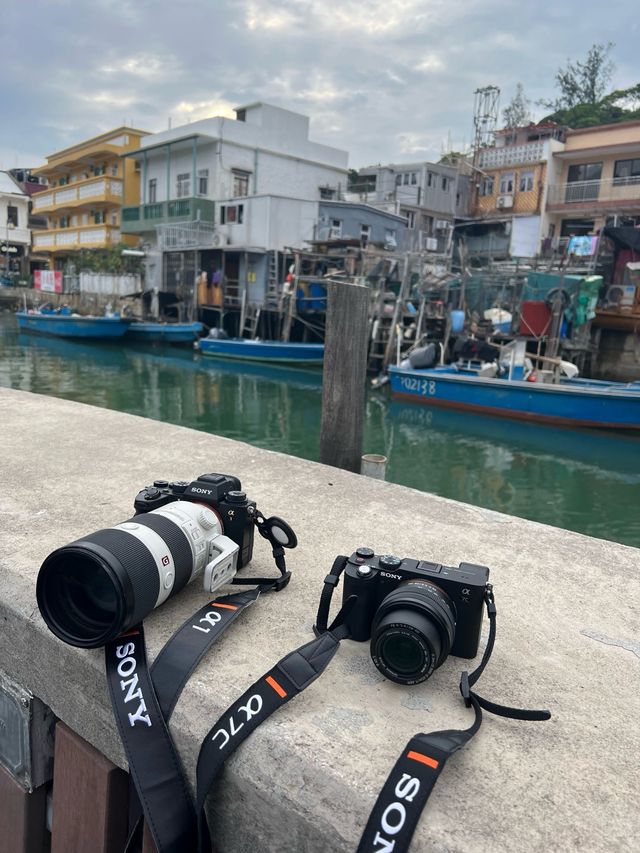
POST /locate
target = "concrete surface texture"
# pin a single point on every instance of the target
(568, 639)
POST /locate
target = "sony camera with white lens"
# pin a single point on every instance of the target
(92, 590)
(415, 613)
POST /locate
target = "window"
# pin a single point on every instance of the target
(12, 215)
(410, 216)
(183, 185)
(398, 180)
(405, 179)
(203, 181)
(487, 186)
(365, 234)
(510, 139)
(390, 237)
(240, 183)
(153, 191)
(336, 229)
(430, 179)
(64, 222)
(327, 193)
(576, 227)
(526, 182)
(99, 217)
(584, 172)
(506, 182)
(414, 178)
(626, 172)
(114, 218)
(231, 213)
(445, 183)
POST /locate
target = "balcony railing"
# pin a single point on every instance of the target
(513, 155)
(583, 193)
(76, 237)
(91, 190)
(145, 217)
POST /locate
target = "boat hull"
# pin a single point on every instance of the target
(169, 333)
(272, 351)
(66, 326)
(600, 405)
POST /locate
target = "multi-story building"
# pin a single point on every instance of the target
(509, 189)
(227, 196)
(88, 184)
(368, 225)
(596, 181)
(15, 235)
(425, 195)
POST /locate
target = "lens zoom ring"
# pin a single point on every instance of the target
(177, 543)
(139, 564)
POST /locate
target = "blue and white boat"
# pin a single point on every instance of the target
(68, 325)
(256, 350)
(164, 333)
(569, 402)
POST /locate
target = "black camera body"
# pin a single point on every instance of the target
(221, 493)
(414, 612)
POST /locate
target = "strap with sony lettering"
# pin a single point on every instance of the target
(404, 795)
(153, 762)
(177, 660)
(289, 677)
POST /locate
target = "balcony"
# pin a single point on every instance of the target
(595, 195)
(80, 237)
(513, 155)
(92, 191)
(145, 217)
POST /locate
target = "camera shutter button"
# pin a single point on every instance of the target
(363, 571)
(207, 518)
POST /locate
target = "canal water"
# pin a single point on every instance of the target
(579, 480)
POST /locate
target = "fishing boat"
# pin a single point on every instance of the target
(511, 387)
(255, 350)
(165, 333)
(571, 402)
(68, 325)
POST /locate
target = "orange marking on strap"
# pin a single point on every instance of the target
(226, 606)
(423, 759)
(273, 683)
(130, 634)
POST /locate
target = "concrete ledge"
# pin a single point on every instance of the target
(568, 639)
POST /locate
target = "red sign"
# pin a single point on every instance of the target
(48, 280)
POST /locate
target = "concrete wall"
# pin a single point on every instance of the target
(307, 779)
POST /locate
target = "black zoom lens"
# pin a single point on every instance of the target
(412, 632)
(92, 590)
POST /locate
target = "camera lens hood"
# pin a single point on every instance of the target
(412, 632)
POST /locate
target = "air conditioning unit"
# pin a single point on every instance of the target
(620, 296)
(504, 201)
(431, 244)
(220, 240)
(442, 224)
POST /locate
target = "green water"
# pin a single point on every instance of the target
(580, 480)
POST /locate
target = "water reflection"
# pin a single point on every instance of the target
(581, 480)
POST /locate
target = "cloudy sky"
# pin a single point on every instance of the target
(387, 80)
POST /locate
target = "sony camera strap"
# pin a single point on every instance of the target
(404, 795)
(143, 702)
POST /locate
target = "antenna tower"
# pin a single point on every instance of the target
(485, 117)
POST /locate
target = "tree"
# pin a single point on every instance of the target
(517, 113)
(583, 82)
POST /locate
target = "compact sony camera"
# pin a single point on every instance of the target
(92, 590)
(415, 613)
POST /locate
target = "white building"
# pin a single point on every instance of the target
(15, 235)
(231, 195)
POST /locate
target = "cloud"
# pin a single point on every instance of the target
(386, 80)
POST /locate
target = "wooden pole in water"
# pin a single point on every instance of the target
(344, 375)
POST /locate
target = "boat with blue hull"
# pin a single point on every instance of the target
(276, 352)
(164, 333)
(72, 325)
(570, 402)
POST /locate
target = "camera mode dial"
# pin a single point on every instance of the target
(365, 553)
(389, 561)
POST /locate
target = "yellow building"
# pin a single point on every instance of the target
(597, 180)
(88, 185)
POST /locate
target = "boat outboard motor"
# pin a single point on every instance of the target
(423, 357)
(218, 334)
